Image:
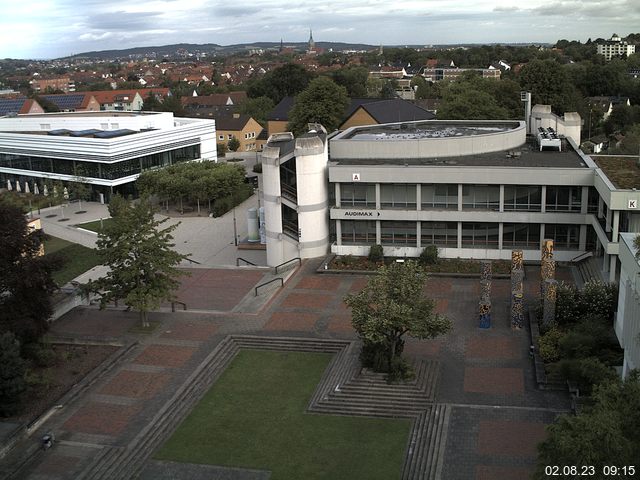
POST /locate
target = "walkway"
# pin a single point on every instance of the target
(495, 414)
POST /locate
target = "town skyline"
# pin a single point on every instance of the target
(60, 28)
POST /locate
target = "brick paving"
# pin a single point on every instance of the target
(486, 375)
(499, 381)
(135, 384)
(165, 356)
(101, 418)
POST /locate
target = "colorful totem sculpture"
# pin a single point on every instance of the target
(517, 289)
(485, 294)
(549, 303)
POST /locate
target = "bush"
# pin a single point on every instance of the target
(548, 345)
(41, 354)
(221, 149)
(586, 339)
(585, 372)
(12, 373)
(376, 253)
(568, 307)
(429, 255)
(599, 299)
(233, 144)
(257, 168)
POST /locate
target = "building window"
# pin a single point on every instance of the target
(563, 236)
(45, 126)
(592, 202)
(290, 222)
(481, 197)
(521, 235)
(480, 235)
(398, 233)
(440, 196)
(563, 199)
(229, 136)
(358, 232)
(442, 234)
(358, 195)
(220, 137)
(398, 196)
(522, 198)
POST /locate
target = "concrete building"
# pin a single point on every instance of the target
(627, 324)
(242, 127)
(475, 189)
(108, 150)
(615, 47)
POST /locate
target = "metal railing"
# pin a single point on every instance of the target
(298, 259)
(245, 261)
(192, 261)
(173, 305)
(580, 257)
(267, 283)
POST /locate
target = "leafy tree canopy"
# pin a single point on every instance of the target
(258, 109)
(323, 101)
(140, 256)
(288, 80)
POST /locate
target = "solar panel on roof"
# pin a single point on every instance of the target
(11, 106)
(65, 102)
(59, 132)
(85, 133)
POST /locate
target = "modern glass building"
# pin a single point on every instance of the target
(107, 150)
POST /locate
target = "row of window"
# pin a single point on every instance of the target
(445, 234)
(474, 197)
(107, 171)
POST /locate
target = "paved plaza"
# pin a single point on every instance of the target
(486, 378)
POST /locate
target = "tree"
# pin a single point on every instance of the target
(80, 190)
(141, 260)
(258, 109)
(321, 102)
(602, 435)
(12, 370)
(288, 80)
(549, 84)
(233, 144)
(462, 101)
(354, 79)
(26, 282)
(391, 305)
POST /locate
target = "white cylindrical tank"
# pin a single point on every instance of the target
(252, 225)
(272, 204)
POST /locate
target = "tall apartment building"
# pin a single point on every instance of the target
(615, 47)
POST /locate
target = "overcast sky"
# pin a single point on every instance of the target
(55, 28)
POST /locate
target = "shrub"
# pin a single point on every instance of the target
(221, 149)
(41, 354)
(257, 168)
(585, 372)
(233, 144)
(429, 255)
(568, 307)
(376, 253)
(600, 299)
(586, 339)
(548, 344)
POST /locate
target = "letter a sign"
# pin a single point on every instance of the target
(355, 177)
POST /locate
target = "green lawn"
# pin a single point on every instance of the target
(95, 225)
(77, 258)
(253, 417)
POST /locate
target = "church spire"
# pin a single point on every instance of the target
(312, 44)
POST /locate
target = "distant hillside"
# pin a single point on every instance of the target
(210, 49)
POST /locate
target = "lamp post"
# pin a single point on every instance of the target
(235, 228)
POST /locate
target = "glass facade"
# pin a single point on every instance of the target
(480, 235)
(290, 222)
(481, 197)
(563, 199)
(103, 170)
(519, 198)
(358, 195)
(398, 196)
(398, 233)
(564, 236)
(439, 196)
(521, 235)
(442, 234)
(356, 232)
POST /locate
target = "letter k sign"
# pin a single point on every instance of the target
(633, 203)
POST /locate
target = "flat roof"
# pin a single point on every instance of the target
(431, 129)
(623, 172)
(101, 113)
(527, 155)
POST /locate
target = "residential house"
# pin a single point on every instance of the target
(615, 47)
(242, 127)
(606, 104)
(375, 112)
(208, 106)
(17, 106)
(65, 84)
(74, 102)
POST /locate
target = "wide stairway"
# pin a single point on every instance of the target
(589, 270)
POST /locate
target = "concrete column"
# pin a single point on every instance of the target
(378, 232)
(605, 261)
(501, 204)
(418, 197)
(583, 238)
(500, 232)
(378, 197)
(459, 197)
(616, 225)
(584, 203)
(459, 234)
(419, 234)
(338, 194)
(612, 268)
(541, 234)
(608, 221)
(543, 199)
(600, 207)
(338, 232)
